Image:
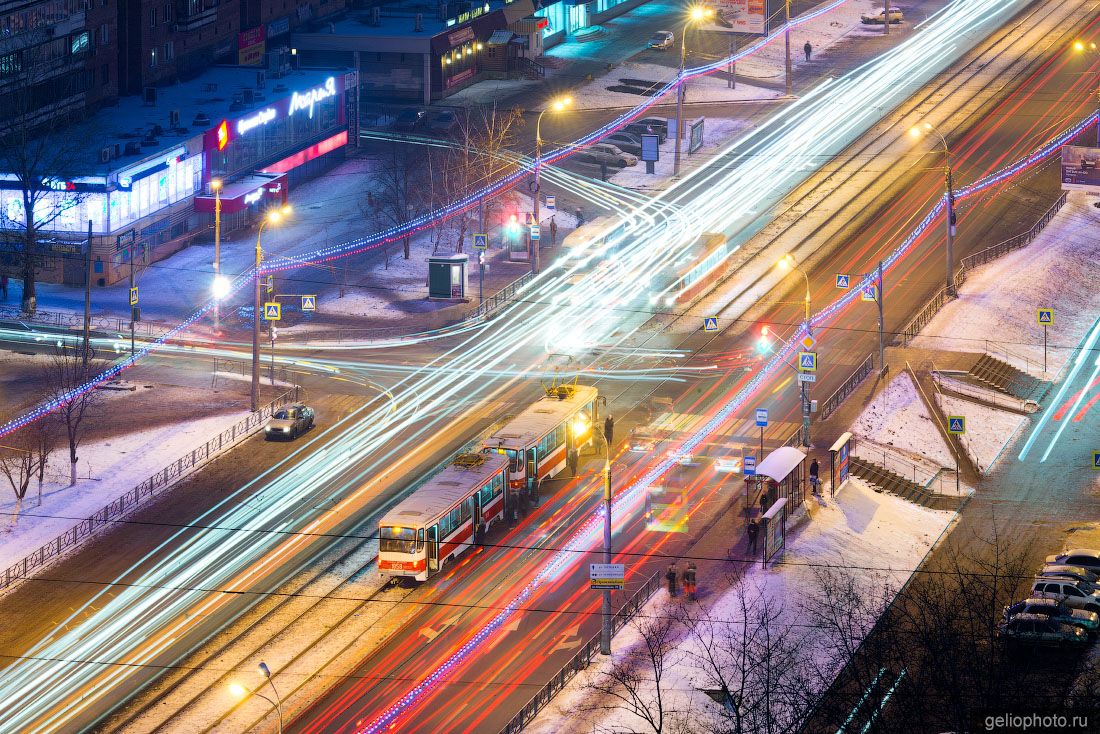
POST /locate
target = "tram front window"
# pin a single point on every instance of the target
(396, 540)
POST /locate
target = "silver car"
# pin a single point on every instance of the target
(289, 422)
(1056, 610)
(1070, 572)
(1073, 593)
(1086, 558)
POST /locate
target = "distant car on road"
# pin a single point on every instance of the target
(1056, 610)
(289, 422)
(878, 17)
(608, 154)
(1086, 558)
(1036, 629)
(1073, 593)
(444, 122)
(642, 442)
(659, 125)
(662, 40)
(410, 119)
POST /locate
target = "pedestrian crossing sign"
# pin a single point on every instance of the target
(309, 303)
(807, 361)
(481, 242)
(273, 311)
(710, 323)
(869, 294)
(956, 425)
(133, 296)
(841, 281)
(1096, 459)
(1046, 317)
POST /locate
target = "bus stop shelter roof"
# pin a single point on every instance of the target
(781, 462)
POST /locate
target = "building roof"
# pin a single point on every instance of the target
(539, 419)
(781, 462)
(443, 491)
(222, 92)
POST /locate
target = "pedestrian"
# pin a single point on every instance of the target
(814, 479)
(671, 576)
(808, 49)
(754, 531)
(763, 502)
(4, 286)
(580, 216)
(553, 232)
(574, 461)
(689, 581)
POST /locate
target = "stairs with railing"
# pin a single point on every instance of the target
(1002, 376)
(889, 481)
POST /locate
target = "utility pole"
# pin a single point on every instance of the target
(216, 184)
(605, 631)
(881, 338)
(87, 299)
(950, 226)
(787, 42)
(733, 64)
(256, 325)
(133, 306)
(680, 104)
(886, 25)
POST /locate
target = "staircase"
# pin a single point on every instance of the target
(529, 68)
(1004, 377)
(888, 481)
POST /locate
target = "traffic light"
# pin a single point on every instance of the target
(274, 333)
(512, 228)
(764, 343)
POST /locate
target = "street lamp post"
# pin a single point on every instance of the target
(557, 106)
(1080, 47)
(216, 185)
(787, 43)
(697, 13)
(242, 691)
(273, 217)
(949, 193)
(788, 261)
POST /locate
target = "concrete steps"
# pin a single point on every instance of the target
(1002, 376)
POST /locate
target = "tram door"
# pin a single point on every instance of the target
(433, 548)
(532, 469)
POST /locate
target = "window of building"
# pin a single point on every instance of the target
(104, 75)
(153, 59)
(169, 51)
(79, 43)
(104, 34)
(168, 12)
(11, 64)
(153, 17)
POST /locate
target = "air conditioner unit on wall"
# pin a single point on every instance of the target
(105, 154)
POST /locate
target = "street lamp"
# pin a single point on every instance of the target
(216, 186)
(241, 691)
(697, 14)
(273, 216)
(1081, 47)
(788, 263)
(917, 132)
(556, 105)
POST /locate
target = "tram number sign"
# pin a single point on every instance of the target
(606, 575)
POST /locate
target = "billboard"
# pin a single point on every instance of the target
(695, 135)
(1080, 168)
(738, 16)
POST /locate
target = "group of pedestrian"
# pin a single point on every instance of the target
(673, 577)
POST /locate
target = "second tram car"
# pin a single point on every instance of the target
(442, 518)
(695, 271)
(537, 442)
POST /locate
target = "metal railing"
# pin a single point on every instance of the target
(940, 480)
(136, 496)
(968, 263)
(582, 659)
(865, 368)
(502, 297)
(70, 320)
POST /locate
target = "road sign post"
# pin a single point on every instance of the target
(606, 576)
(842, 281)
(749, 466)
(956, 426)
(762, 423)
(710, 323)
(309, 303)
(273, 311)
(1096, 459)
(1046, 318)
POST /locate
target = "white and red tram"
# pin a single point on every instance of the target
(439, 520)
(537, 442)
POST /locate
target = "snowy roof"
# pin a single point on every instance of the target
(781, 462)
(539, 419)
(443, 491)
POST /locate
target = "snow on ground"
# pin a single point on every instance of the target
(898, 418)
(859, 528)
(1057, 270)
(717, 132)
(116, 465)
(988, 430)
(982, 392)
(606, 92)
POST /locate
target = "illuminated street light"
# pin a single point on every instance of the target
(241, 692)
(695, 15)
(220, 288)
(216, 187)
(273, 216)
(556, 105)
(917, 132)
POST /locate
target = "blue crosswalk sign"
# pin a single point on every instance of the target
(1096, 459)
(309, 303)
(273, 311)
(956, 425)
(481, 242)
(841, 281)
(1046, 317)
(710, 323)
(870, 294)
(807, 361)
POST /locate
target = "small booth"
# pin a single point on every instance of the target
(447, 277)
(778, 476)
(838, 462)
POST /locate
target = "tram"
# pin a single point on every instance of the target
(594, 238)
(443, 518)
(537, 442)
(695, 271)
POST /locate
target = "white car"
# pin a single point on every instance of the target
(609, 154)
(1086, 558)
(1073, 593)
(878, 17)
(662, 40)
(728, 464)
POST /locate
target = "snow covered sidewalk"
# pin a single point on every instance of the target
(721, 641)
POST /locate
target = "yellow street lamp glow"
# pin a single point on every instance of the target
(215, 184)
(1078, 46)
(238, 690)
(274, 216)
(561, 103)
(787, 261)
(700, 12)
(285, 210)
(220, 288)
(580, 426)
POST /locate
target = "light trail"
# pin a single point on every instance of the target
(42, 694)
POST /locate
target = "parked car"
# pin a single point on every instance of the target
(1085, 558)
(662, 40)
(410, 119)
(659, 124)
(1073, 593)
(1070, 572)
(1056, 610)
(289, 422)
(639, 128)
(376, 120)
(608, 154)
(878, 17)
(626, 142)
(1036, 629)
(444, 122)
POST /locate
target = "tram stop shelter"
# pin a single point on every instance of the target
(779, 475)
(447, 277)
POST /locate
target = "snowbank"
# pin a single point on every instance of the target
(1057, 270)
(899, 419)
(717, 132)
(988, 430)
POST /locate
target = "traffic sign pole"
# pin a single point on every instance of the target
(1044, 347)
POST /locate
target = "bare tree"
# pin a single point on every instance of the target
(37, 150)
(17, 466)
(752, 664)
(65, 372)
(397, 195)
(635, 680)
